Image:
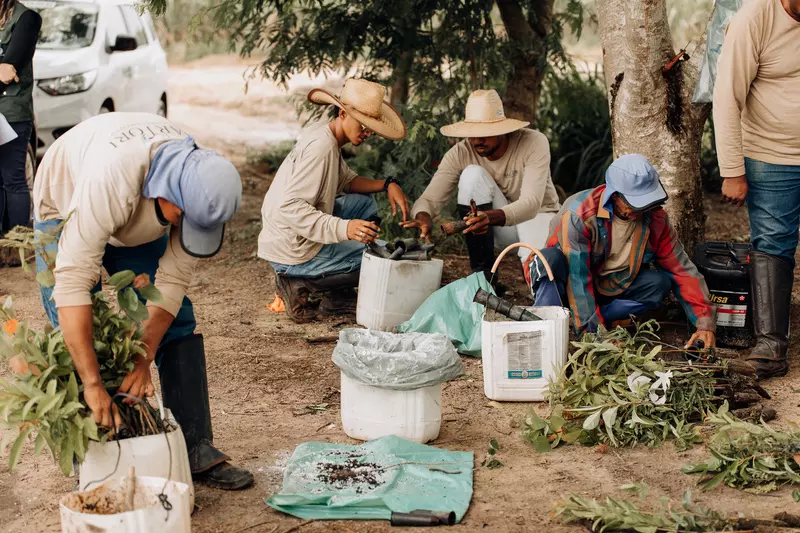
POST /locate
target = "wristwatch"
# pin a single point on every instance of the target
(389, 181)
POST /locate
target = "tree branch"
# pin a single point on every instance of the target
(513, 18)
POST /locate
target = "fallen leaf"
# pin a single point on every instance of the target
(494, 404)
(10, 327)
(142, 280)
(19, 364)
(277, 305)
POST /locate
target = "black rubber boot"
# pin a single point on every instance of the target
(296, 297)
(771, 281)
(340, 296)
(184, 387)
(479, 247)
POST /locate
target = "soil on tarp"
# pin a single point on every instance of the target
(350, 474)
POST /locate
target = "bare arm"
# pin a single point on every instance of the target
(366, 186)
(138, 382)
(395, 194)
(76, 324)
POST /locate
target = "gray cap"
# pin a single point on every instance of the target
(212, 191)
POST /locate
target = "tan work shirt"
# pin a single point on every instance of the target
(757, 90)
(621, 244)
(96, 173)
(297, 214)
(523, 174)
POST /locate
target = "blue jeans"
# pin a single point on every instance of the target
(647, 291)
(141, 259)
(15, 198)
(341, 257)
(773, 203)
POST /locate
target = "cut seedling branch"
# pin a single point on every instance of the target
(750, 457)
(616, 390)
(44, 397)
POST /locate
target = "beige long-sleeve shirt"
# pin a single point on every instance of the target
(94, 174)
(523, 174)
(757, 90)
(297, 213)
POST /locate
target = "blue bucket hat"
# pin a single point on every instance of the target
(203, 184)
(635, 179)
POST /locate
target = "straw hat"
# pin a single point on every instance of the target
(485, 118)
(364, 101)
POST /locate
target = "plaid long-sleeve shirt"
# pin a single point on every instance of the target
(582, 231)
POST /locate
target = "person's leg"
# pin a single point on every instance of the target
(15, 198)
(534, 232)
(476, 184)
(773, 203)
(547, 292)
(334, 271)
(181, 363)
(647, 291)
(47, 292)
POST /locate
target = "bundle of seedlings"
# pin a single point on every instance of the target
(625, 515)
(752, 457)
(43, 398)
(617, 390)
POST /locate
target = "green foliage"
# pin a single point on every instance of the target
(272, 157)
(755, 458)
(615, 390)
(624, 515)
(491, 461)
(573, 114)
(43, 398)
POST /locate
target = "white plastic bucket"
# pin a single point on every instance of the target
(520, 357)
(150, 456)
(389, 292)
(369, 412)
(149, 514)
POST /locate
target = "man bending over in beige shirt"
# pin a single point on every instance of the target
(313, 234)
(505, 168)
(757, 126)
(138, 194)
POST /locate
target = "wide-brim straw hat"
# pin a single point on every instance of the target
(484, 118)
(364, 101)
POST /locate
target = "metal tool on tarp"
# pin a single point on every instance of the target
(424, 518)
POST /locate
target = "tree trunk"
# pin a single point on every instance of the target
(402, 76)
(651, 110)
(528, 56)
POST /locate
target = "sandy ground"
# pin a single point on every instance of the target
(262, 374)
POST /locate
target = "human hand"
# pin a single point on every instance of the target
(734, 190)
(8, 74)
(477, 224)
(706, 337)
(362, 231)
(397, 199)
(423, 222)
(99, 402)
(138, 382)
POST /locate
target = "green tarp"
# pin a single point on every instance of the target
(325, 481)
(451, 311)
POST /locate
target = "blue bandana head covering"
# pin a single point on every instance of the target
(203, 184)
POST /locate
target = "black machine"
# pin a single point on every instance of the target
(726, 267)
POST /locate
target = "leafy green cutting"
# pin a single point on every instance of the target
(752, 457)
